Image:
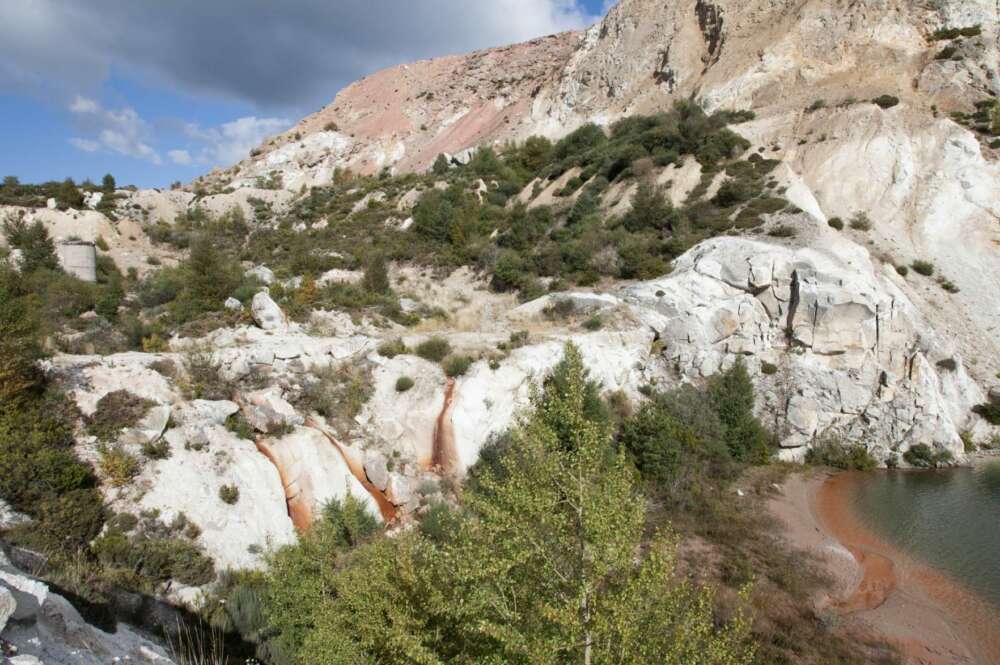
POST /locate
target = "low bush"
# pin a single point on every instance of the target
(118, 466)
(434, 349)
(392, 348)
(886, 101)
(838, 455)
(338, 394)
(921, 267)
(768, 369)
(902, 270)
(990, 410)
(594, 323)
(924, 457)
(238, 425)
(861, 222)
(836, 223)
(116, 411)
(156, 450)
(455, 366)
(229, 494)
(403, 384)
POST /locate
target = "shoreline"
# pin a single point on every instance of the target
(879, 590)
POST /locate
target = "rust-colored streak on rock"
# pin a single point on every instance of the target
(298, 505)
(444, 458)
(386, 507)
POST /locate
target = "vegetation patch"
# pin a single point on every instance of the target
(836, 454)
(434, 349)
(116, 411)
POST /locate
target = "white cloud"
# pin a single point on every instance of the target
(180, 157)
(123, 132)
(85, 144)
(84, 105)
(232, 141)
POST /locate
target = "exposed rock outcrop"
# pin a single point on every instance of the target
(44, 628)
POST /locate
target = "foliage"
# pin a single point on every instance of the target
(921, 267)
(990, 410)
(886, 101)
(456, 365)
(836, 223)
(229, 494)
(650, 210)
(392, 348)
(19, 344)
(376, 278)
(434, 349)
(861, 222)
(732, 396)
(153, 553)
(838, 455)
(441, 165)
(116, 411)
(923, 456)
(403, 384)
(556, 536)
(118, 465)
(338, 393)
(37, 249)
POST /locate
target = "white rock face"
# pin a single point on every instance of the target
(45, 628)
(267, 314)
(854, 354)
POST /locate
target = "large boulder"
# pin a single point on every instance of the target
(266, 313)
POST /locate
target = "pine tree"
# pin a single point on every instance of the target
(108, 184)
(441, 165)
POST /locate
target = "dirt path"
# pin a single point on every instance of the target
(879, 590)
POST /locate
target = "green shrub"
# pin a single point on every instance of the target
(947, 53)
(116, 411)
(902, 270)
(117, 465)
(229, 494)
(768, 369)
(156, 450)
(434, 349)
(836, 223)
(836, 454)
(238, 425)
(376, 277)
(923, 456)
(990, 410)
(594, 323)
(392, 348)
(732, 395)
(403, 384)
(338, 394)
(456, 365)
(886, 101)
(921, 267)
(861, 222)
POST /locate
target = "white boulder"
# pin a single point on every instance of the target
(267, 314)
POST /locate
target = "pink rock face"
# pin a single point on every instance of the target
(406, 116)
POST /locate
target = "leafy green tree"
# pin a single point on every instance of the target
(376, 278)
(209, 276)
(441, 165)
(732, 395)
(108, 184)
(20, 348)
(545, 566)
(68, 195)
(38, 252)
(650, 210)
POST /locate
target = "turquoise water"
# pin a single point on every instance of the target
(948, 519)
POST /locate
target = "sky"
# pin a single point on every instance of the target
(157, 91)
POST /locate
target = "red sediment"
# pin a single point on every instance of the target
(386, 507)
(298, 506)
(891, 577)
(444, 458)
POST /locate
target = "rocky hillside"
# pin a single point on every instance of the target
(348, 314)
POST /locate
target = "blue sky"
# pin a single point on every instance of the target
(155, 92)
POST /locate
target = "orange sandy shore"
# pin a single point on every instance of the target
(881, 591)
